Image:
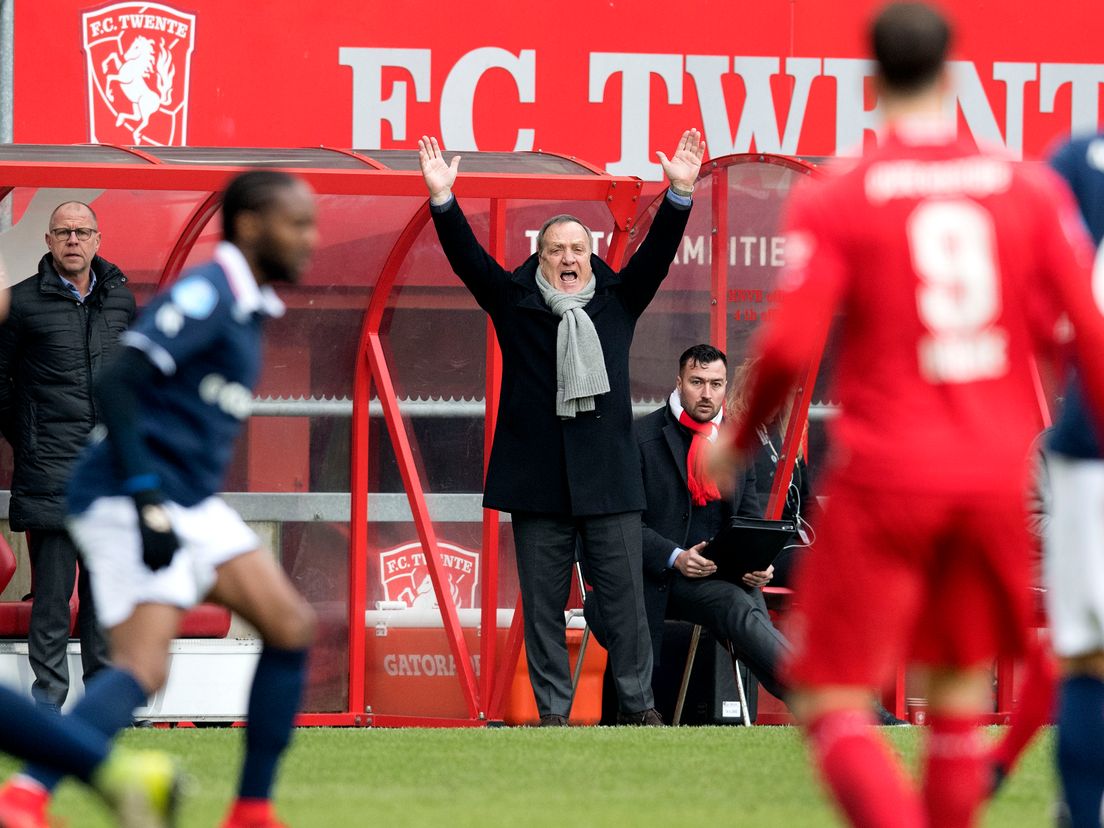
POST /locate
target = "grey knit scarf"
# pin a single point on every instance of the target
(580, 368)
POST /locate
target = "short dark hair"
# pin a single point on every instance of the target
(251, 192)
(562, 218)
(701, 355)
(909, 41)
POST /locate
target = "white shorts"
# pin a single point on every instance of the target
(1074, 564)
(210, 533)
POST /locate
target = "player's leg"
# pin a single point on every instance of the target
(77, 749)
(140, 646)
(1033, 709)
(255, 586)
(141, 788)
(1074, 574)
(857, 764)
(978, 607)
(34, 735)
(860, 591)
(131, 603)
(1081, 738)
(956, 767)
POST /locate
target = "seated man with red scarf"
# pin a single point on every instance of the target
(684, 510)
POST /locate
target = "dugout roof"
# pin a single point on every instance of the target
(379, 393)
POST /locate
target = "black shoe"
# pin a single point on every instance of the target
(885, 718)
(644, 718)
(1060, 815)
(997, 775)
(553, 720)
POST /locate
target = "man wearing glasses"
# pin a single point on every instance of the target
(64, 323)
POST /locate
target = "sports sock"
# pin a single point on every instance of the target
(862, 772)
(250, 812)
(1034, 708)
(956, 770)
(45, 738)
(1081, 748)
(273, 700)
(107, 707)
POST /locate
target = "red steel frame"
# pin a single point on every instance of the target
(620, 194)
(717, 173)
(485, 696)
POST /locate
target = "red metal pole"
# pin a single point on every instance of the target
(619, 243)
(359, 457)
(791, 442)
(509, 660)
(202, 214)
(718, 266)
(420, 509)
(358, 531)
(488, 642)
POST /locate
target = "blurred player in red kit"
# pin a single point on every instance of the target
(951, 268)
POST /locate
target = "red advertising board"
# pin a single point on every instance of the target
(609, 82)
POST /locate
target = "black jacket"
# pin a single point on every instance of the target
(540, 463)
(51, 348)
(666, 519)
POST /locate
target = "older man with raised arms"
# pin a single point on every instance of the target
(564, 463)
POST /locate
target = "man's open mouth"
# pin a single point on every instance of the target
(569, 276)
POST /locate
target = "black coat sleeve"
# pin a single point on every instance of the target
(485, 278)
(657, 551)
(648, 267)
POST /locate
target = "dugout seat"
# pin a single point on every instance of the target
(776, 599)
(203, 621)
(15, 616)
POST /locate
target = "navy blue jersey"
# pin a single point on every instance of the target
(1081, 163)
(204, 335)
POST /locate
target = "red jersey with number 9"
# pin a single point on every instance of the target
(951, 268)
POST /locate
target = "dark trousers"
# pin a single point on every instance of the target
(736, 615)
(545, 546)
(53, 569)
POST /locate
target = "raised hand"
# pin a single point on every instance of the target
(682, 167)
(439, 176)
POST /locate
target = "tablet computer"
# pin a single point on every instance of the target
(748, 545)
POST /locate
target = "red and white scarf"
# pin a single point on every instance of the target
(702, 488)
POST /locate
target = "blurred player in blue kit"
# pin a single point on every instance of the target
(143, 505)
(1074, 562)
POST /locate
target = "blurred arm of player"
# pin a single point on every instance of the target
(811, 284)
(1068, 257)
(117, 402)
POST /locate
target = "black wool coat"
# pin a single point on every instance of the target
(541, 463)
(52, 347)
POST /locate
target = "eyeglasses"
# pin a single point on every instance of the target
(83, 233)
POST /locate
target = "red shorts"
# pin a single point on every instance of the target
(895, 577)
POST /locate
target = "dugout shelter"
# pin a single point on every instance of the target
(362, 466)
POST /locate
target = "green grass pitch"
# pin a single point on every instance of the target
(533, 777)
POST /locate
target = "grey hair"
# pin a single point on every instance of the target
(563, 218)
